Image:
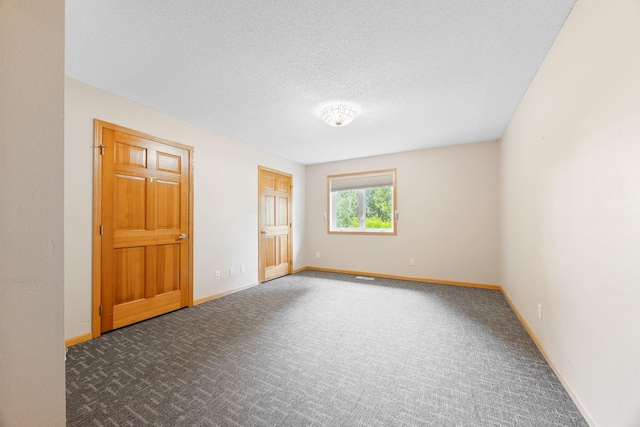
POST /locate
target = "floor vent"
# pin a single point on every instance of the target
(365, 278)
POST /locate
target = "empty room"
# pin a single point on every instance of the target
(320, 214)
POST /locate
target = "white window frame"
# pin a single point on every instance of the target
(362, 181)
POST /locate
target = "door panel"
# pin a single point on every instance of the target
(167, 268)
(130, 155)
(283, 211)
(168, 205)
(145, 213)
(275, 224)
(283, 252)
(169, 163)
(269, 211)
(283, 184)
(269, 251)
(130, 264)
(130, 202)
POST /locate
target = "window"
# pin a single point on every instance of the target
(363, 203)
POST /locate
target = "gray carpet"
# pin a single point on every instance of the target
(322, 349)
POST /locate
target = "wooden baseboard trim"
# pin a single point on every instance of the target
(411, 279)
(77, 340)
(583, 410)
(223, 294)
(298, 270)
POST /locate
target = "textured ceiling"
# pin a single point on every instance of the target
(423, 73)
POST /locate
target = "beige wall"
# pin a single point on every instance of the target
(448, 216)
(570, 208)
(32, 386)
(225, 206)
(568, 190)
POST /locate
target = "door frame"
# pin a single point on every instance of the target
(96, 275)
(290, 214)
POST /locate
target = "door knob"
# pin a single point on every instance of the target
(264, 231)
(182, 236)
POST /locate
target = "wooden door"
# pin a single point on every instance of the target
(145, 223)
(275, 224)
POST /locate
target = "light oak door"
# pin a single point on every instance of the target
(145, 225)
(275, 224)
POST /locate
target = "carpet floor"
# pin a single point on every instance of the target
(322, 349)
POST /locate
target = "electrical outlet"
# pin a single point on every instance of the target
(242, 268)
(217, 274)
(412, 261)
(540, 311)
(231, 272)
(317, 254)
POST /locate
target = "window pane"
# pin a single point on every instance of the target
(379, 207)
(362, 203)
(347, 209)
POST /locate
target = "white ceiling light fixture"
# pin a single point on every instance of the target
(339, 115)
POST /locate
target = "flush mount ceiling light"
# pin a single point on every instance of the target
(339, 114)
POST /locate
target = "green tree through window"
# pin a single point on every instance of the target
(347, 215)
(378, 207)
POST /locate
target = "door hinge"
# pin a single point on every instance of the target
(101, 147)
(101, 229)
(100, 311)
